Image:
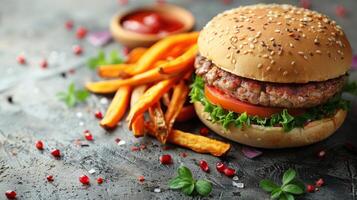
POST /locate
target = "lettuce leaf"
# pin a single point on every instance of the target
(282, 119)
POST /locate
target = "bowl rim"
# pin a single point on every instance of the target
(117, 29)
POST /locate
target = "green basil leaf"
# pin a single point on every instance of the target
(188, 189)
(283, 196)
(288, 176)
(178, 183)
(71, 100)
(299, 183)
(203, 187)
(289, 196)
(293, 189)
(184, 172)
(275, 194)
(82, 95)
(268, 185)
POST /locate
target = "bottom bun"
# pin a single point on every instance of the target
(275, 137)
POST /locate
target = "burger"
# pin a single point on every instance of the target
(271, 76)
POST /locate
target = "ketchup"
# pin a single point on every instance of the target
(150, 22)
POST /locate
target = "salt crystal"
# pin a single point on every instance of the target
(91, 171)
(238, 185)
(103, 101)
(235, 178)
(121, 142)
(79, 114)
(157, 190)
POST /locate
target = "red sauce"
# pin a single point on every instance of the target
(150, 22)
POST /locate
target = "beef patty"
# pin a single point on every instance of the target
(286, 95)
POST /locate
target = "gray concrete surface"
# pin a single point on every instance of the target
(36, 28)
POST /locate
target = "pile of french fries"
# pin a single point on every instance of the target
(150, 79)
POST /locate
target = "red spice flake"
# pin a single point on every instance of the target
(43, 64)
(165, 159)
(141, 178)
(340, 11)
(204, 166)
(84, 179)
(183, 154)
(166, 147)
(321, 154)
(117, 140)
(81, 32)
(10, 194)
(305, 4)
(72, 71)
(310, 188)
(142, 146)
(56, 153)
(204, 131)
(39, 145)
(220, 167)
(50, 178)
(100, 180)
(77, 50)
(160, 1)
(88, 136)
(69, 25)
(135, 148)
(226, 2)
(229, 171)
(98, 115)
(21, 59)
(320, 182)
(122, 2)
(126, 51)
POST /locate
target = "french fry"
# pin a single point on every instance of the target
(155, 52)
(116, 108)
(195, 142)
(177, 101)
(136, 54)
(158, 119)
(187, 113)
(166, 99)
(138, 124)
(164, 71)
(114, 71)
(137, 92)
(149, 98)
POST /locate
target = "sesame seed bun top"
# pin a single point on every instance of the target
(276, 43)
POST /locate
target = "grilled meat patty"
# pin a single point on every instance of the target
(268, 94)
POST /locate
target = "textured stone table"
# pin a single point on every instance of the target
(36, 28)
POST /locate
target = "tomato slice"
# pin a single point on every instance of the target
(229, 103)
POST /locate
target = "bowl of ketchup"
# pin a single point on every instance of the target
(146, 25)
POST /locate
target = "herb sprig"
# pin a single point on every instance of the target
(187, 184)
(102, 59)
(73, 96)
(290, 186)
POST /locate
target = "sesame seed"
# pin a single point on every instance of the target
(291, 45)
(277, 31)
(300, 53)
(268, 68)
(272, 62)
(260, 65)
(285, 73)
(251, 46)
(292, 62)
(318, 51)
